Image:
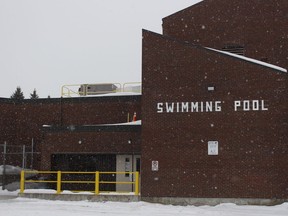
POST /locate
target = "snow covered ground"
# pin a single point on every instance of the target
(35, 207)
(10, 169)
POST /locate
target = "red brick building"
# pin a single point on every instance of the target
(216, 123)
(213, 110)
(65, 127)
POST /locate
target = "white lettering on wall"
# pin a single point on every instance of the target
(177, 107)
(237, 104)
(201, 106)
(255, 105)
(159, 107)
(194, 106)
(250, 105)
(218, 106)
(185, 107)
(170, 108)
(246, 105)
(180, 107)
(263, 105)
(210, 106)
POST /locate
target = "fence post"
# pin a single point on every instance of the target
(136, 183)
(22, 181)
(58, 182)
(97, 182)
(4, 166)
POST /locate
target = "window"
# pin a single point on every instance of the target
(127, 167)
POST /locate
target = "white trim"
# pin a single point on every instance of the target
(250, 60)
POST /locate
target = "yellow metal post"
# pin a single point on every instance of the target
(136, 183)
(97, 178)
(58, 182)
(62, 91)
(22, 182)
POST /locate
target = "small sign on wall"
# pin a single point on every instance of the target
(212, 147)
(155, 165)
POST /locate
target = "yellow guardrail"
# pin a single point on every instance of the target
(59, 180)
(99, 88)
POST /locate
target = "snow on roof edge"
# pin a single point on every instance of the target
(115, 94)
(138, 122)
(250, 60)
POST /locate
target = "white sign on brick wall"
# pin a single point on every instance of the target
(155, 165)
(212, 147)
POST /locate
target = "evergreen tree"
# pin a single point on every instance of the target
(18, 94)
(34, 95)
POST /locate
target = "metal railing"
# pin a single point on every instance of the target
(99, 88)
(59, 181)
(132, 87)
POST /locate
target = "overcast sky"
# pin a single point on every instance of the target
(45, 44)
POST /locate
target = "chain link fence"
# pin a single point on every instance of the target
(13, 159)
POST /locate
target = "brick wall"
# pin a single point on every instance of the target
(7, 120)
(90, 140)
(22, 121)
(260, 27)
(252, 160)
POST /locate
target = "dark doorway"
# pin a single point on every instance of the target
(85, 163)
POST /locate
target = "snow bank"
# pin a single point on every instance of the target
(35, 207)
(10, 170)
(7, 193)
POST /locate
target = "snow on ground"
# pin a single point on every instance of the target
(36, 207)
(10, 169)
(33, 207)
(6, 192)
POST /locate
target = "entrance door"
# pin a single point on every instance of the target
(127, 163)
